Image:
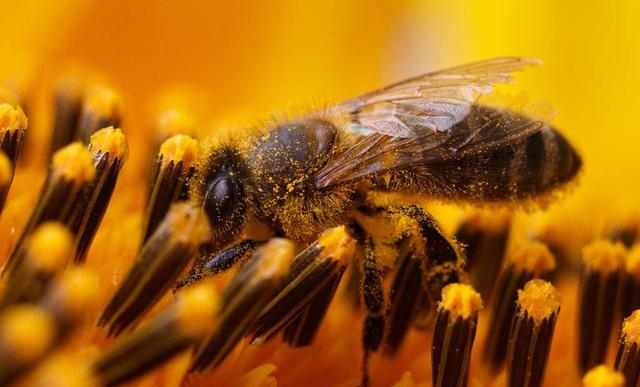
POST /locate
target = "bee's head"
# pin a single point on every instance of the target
(217, 186)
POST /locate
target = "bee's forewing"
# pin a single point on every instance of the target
(429, 102)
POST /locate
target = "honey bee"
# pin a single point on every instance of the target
(426, 136)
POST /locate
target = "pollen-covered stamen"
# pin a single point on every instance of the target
(530, 260)
(165, 255)
(453, 335)
(603, 376)
(322, 263)
(13, 126)
(70, 173)
(538, 306)
(47, 251)
(68, 105)
(101, 108)
(173, 168)
(626, 230)
(303, 328)
(485, 236)
(403, 298)
(631, 282)
(628, 355)
(70, 297)
(109, 151)
(63, 369)
(27, 333)
(6, 178)
(171, 123)
(599, 283)
(30, 331)
(173, 331)
(244, 298)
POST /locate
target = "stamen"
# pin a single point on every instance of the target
(46, 253)
(63, 369)
(599, 284)
(531, 260)
(70, 173)
(173, 168)
(453, 335)
(6, 178)
(628, 356)
(28, 332)
(301, 331)
(68, 105)
(626, 230)
(602, 376)
(13, 127)
(109, 150)
(531, 332)
(244, 298)
(323, 262)
(101, 108)
(173, 331)
(485, 236)
(171, 123)
(70, 298)
(630, 295)
(404, 297)
(165, 255)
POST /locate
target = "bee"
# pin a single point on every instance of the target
(341, 168)
(426, 136)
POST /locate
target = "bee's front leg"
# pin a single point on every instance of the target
(211, 263)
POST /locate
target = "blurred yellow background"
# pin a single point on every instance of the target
(232, 62)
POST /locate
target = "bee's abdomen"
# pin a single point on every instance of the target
(529, 168)
(539, 164)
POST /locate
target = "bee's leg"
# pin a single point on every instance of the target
(373, 299)
(253, 287)
(210, 263)
(427, 262)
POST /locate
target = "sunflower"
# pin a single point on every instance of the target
(157, 71)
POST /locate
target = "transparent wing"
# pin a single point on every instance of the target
(482, 130)
(426, 103)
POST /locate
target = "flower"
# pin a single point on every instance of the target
(228, 63)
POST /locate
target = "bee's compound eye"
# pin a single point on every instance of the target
(223, 200)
